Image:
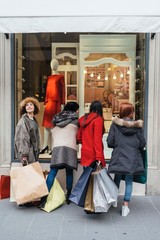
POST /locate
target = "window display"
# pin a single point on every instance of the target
(96, 66)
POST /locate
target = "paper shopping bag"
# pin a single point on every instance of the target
(108, 185)
(78, 193)
(55, 198)
(99, 199)
(29, 183)
(4, 186)
(89, 205)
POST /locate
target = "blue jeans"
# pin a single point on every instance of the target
(128, 185)
(52, 174)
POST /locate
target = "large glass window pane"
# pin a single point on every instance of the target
(107, 81)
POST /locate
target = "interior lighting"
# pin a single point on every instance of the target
(114, 76)
(99, 76)
(92, 74)
(106, 77)
(121, 75)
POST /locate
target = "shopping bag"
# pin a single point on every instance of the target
(55, 198)
(12, 195)
(89, 205)
(141, 178)
(107, 184)
(29, 183)
(99, 199)
(78, 193)
(4, 186)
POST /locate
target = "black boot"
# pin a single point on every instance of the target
(42, 202)
(67, 197)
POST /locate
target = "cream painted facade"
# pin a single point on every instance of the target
(153, 132)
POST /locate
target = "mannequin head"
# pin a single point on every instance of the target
(54, 65)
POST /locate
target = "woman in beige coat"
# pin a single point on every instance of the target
(27, 139)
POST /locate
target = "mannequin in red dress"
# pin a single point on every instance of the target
(54, 101)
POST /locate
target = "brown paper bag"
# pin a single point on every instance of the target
(29, 183)
(89, 205)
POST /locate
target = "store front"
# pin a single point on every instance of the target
(109, 56)
(105, 67)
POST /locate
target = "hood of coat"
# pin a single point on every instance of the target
(64, 118)
(87, 119)
(127, 126)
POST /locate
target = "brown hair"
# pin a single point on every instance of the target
(27, 100)
(126, 109)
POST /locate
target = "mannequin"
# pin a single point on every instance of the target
(54, 101)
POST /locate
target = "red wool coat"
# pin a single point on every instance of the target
(90, 135)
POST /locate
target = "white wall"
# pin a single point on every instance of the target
(153, 145)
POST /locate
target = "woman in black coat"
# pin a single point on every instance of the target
(127, 140)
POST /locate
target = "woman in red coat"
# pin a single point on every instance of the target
(90, 135)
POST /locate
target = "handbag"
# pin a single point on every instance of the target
(4, 186)
(55, 198)
(108, 186)
(78, 193)
(28, 183)
(141, 178)
(99, 199)
(89, 205)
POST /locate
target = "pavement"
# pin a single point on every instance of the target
(70, 222)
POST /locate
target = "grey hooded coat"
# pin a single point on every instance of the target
(64, 149)
(127, 140)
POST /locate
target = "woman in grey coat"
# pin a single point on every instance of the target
(27, 139)
(64, 146)
(127, 140)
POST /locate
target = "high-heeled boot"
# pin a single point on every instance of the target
(44, 150)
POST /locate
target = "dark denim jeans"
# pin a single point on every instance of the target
(52, 174)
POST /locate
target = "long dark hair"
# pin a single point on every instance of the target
(96, 107)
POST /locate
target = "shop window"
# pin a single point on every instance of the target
(102, 69)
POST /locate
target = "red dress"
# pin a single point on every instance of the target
(90, 135)
(55, 96)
